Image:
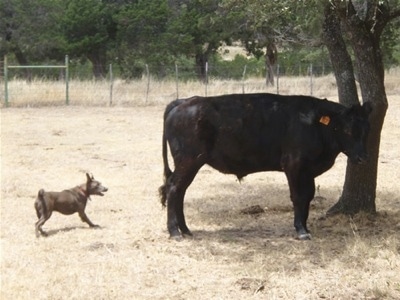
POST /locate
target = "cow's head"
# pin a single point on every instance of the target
(351, 132)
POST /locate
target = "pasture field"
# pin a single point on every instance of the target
(231, 256)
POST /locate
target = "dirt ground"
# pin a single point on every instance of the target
(231, 256)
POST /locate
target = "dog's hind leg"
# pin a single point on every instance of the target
(42, 213)
(39, 224)
(84, 218)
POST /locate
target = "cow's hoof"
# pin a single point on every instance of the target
(187, 233)
(304, 236)
(176, 238)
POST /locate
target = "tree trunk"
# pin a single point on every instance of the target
(98, 65)
(340, 58)
(359, 190)
(201, 60)
(270, 61)
(269, 73)
(22, 61)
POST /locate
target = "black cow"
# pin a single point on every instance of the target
(246, 133)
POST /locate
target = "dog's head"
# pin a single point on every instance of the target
(94, 187)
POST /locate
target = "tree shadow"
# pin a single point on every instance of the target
(244, 236)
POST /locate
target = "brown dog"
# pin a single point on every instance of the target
(67, 202)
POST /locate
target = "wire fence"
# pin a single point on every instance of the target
(47, 86)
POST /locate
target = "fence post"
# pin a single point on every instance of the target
(277, 79)
(5, 81)
(311, 79)
(66, 80)
(206, 79)
(111, 84)
(148, 82)
(243, 77)
(177, 80)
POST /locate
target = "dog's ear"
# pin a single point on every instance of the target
(89, 177)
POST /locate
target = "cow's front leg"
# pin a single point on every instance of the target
(301, 202)
(301, 208)
(302, 190)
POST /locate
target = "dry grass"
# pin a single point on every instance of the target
(232, 255)
(40, 93)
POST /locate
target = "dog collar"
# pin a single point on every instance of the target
(84, 192)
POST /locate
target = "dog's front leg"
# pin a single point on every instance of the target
(84, 218)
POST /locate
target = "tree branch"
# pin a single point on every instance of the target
(395, 13)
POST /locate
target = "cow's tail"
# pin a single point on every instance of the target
(40, 204)
(167, 170)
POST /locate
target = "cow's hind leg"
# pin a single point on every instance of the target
(176, 188)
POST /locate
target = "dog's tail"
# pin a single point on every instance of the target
(41, 193)
(40, 204)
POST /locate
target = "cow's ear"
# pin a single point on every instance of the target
(367, 106)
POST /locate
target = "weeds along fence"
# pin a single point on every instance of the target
(61, 84)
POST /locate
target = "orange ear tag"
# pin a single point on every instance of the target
(325, 120)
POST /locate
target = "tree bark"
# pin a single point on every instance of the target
(99, 69)
(271, 57)
(359, 190)
(340, 58)
(201, 60)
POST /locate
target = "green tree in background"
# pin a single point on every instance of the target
(32, 33)
(142, 37)
(266, 27)
(90, 32)
(197, 29)
(158, 33)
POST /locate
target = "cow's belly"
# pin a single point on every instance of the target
(244, 165)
